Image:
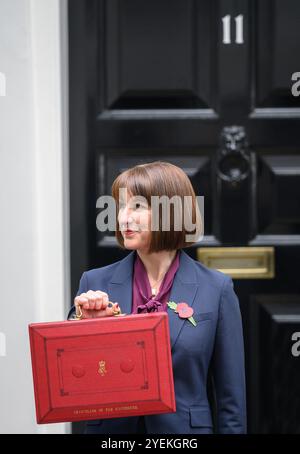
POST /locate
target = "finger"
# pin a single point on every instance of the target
(96, 292)
(98, 301)
(105, 301)
(98, 304)
(92, 301)
(101, 299)
(112, 308)
(81, 301)
(103, 295)
(99, 292)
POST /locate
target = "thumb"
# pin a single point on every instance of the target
(112, 309)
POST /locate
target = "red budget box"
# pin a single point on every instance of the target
(102, 368)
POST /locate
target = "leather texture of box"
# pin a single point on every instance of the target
(102, 368)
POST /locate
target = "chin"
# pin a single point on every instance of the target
(134, 245)
(131, 245)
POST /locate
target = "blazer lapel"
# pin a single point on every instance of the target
(120, 285)
(184, 289)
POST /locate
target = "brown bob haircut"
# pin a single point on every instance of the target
(159, 178)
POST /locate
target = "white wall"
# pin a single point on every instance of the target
(34, 247)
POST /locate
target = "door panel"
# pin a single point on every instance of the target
(275, 368)
(276, 42)
(157, 57)
(278, 194)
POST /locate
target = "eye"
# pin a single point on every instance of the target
(141, 206)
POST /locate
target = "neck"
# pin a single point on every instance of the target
(157, 263)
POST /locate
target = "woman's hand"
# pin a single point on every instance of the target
(95, 304)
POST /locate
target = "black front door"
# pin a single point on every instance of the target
(213, 87)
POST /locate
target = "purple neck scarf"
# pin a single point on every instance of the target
(143, 301)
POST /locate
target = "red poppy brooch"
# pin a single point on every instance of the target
(183, 310)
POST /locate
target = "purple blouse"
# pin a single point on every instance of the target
(143, 301)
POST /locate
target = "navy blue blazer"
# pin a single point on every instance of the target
(216, 342)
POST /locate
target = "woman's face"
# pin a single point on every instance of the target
(135, 222)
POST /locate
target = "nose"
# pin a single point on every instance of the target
(125, 216)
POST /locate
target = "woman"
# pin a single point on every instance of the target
(155, 272)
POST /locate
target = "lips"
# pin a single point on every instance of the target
(130, 232)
